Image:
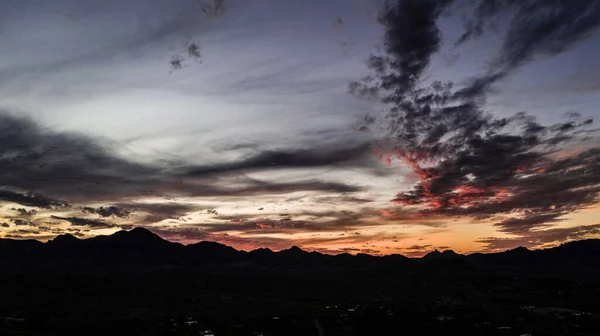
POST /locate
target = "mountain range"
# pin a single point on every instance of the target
(141, 246)
(136, 283)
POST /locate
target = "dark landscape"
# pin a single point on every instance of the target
(136, 283)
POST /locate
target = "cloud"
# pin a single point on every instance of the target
(262, 187)
(157, 212)
(30, 199)
(21, 222)
(19, 232)
(82, 169)
(343, 200)
(525, 224)
(468, 161)
(536, 28)
(110, 211)
(418, 247)
(214, 8)
(25, 212)
(289, 223)
(540, 238)
(357, 250)
(411, 37)
(301, 158)
(77, 221)
(64, 164)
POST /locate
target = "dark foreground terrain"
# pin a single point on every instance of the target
(135, 283)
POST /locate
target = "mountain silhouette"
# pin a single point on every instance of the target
(141, 246)
(65, 239)
(140, 284)
(447, 254)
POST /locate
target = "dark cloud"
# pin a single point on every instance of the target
(289, 223)
(214, 8)
(176, 62)
(342, 199)
(25, 212)
(30, 199)
(5, 225)
(527, 223)
(19, 232)
(82, 170)
(76, 221)
(468, 161)
(411, 38)
(193, 50)
(358, 250)
(21, 222)
(536, 28)
(110, 211)
(65, 164)
(157, 212)
(418, 247)
(534, 239)
(262, 187)
(305, 158)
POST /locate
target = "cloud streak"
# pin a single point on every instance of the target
(76, 167)
(77, 221)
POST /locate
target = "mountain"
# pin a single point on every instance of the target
(11, 249)
(447, 254)
(573, 260)
(65, 239)
(141, 246)
(140, 284)
(205, 251)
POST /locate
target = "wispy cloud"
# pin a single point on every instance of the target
(76, 221)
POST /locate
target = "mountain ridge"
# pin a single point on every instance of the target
(146, 240)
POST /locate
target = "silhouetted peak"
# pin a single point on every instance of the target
(397, 256)
(211, 245)
(520, 249)
(447, 254)
(578, 249)
(294, 250)
(582, 243)
(262, 251)
(64, 239)
(136, 235)
(433, 254)
(213, 251)
(140, 231)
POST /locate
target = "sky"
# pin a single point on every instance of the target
(341, 126)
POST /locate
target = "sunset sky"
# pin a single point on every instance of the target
(243, 122)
